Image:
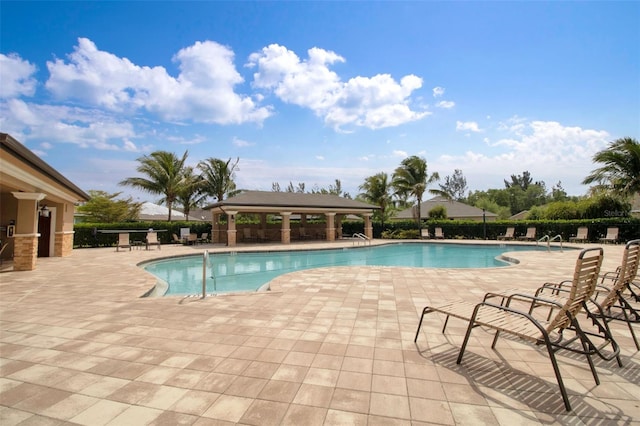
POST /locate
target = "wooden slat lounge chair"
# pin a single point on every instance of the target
(530, 235)
(152, 240)
(521, 323)
(611, 237)
(581, 236)
(123, 241)
(614, 298)
(508, 235)
(438, 234)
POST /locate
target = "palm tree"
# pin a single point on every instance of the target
(217, 177)
(190, 195)
(164, 173)
(412, 179)
(377, 190)
(621, 167)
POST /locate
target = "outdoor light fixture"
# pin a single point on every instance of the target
(44, 211)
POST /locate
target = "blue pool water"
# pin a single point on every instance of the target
(248, 271)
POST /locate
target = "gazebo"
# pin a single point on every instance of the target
(285, 205)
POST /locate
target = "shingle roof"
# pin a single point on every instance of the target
(292, 201)
(455, 209)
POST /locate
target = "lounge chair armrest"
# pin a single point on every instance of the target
(512, 311)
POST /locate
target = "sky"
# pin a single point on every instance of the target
(310, 92)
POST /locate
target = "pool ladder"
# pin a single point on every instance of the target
(357, 237)
(206, 262)
(549, 239)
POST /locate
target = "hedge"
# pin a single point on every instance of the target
(629, 229)
(86, 237)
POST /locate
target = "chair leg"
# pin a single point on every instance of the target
(556, 370)
(424, 311)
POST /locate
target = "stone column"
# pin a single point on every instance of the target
(285, 232)
(368, 226)
(25, 239)
(331, 229)
(231, 228)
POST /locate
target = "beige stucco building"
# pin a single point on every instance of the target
(36, 207)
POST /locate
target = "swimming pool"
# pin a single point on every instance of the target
(248, 271)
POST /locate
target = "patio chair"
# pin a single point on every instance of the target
(204, 238)
(581, 236)
(530, 235)
(504, 318)
(438, 233)
(261, 235)
(508, 235)
(424, 233)
(618, 301)
(247, 235)
(152, 240)
(192, 239)
(611, 237)
(176, 239)
(123, 241)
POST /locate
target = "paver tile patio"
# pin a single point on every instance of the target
(329, 346)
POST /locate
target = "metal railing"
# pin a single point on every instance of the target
(549, 240)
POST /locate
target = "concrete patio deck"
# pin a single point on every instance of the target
(332, 346)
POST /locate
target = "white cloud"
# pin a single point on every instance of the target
(16, 77)
(468, 126)
(202, 92)
(63, 124)
(374, 102)
(399, 153)
(446, 104)
(550, 151)
(438, 91)
(320, 157)
(241, 143)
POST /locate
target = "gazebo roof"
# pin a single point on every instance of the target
(295, 202)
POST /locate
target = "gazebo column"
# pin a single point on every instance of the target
(25, 238)
(285, 232)
(331, 229)
(339, 225)
(231, 228)
(368, 226)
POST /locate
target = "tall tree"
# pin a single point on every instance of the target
(217, 176)
(455, 186)
(164, 176)
(620, 169)
(190, 195)
(103, 207)
(377, 190)
(520, 181)
(411, 178)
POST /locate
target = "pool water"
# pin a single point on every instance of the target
(248, 271)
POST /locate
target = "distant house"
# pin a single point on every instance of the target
(455, 211)
(155, 212)
(520, 216)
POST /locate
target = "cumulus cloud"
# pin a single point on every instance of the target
(549, 150)
(63, 124)
(468, 126)
(202, 92)
(16, 77)
(438, 91)
(374, 102)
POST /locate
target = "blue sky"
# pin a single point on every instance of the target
(316, 91)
